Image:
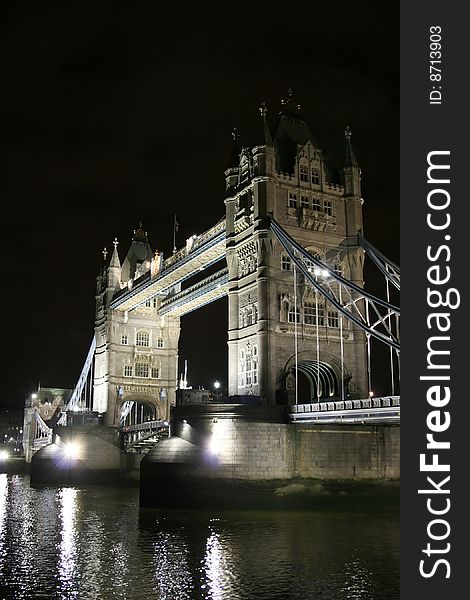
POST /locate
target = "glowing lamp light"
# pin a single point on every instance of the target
(3, 455)
(214, 444)
(217, 384)
(34, 396)
(371, 393)
(72, 450)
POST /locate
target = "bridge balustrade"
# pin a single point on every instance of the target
(382, 402)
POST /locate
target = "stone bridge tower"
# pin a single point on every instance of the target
(136, 357)
(285, 176)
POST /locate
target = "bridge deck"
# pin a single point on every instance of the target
(206, 249)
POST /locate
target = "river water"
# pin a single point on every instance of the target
(95, 543)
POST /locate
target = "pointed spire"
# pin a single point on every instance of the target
(263, 109)
(115, 262)
(350, 158)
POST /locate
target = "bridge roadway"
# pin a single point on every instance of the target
(371, 411)
(200, 253)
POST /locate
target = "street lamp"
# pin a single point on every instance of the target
(216, 387)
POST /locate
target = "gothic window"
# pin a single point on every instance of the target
(155, 373)
(333, 320)
(124, 339)
(249, 366)
(303, 173)
(141, 370)
(309, 313)
(248, 315)
(316, 204)
(328, 208)
(292, 200)
(148, 303)
(160, 343)
(304, 201)
(154, 301)
(128, 371)
(315, 176)
(293, 316)
(286, 264)
(142, 339)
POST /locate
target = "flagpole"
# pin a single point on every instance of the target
(174, 235)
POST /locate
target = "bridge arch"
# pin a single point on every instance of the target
(317, 379)
(139, 408)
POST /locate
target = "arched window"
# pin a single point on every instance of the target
(293, 315)
(303, 173)
(315, 176)
(286, 264)
(333, 319)
(292, 200)
(249, 366)
(327, 207)
(309, 313)
(304, 203)
(142, 339)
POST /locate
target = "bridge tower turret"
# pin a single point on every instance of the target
(286, 177)
(135, 368)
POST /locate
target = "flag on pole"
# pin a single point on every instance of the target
(175, 229)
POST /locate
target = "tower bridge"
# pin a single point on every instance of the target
(290, 256)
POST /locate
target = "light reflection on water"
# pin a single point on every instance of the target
(92, 543)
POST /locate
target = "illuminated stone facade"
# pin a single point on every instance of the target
(285, 176)
(136, 353)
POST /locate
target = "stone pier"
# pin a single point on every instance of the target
(230, 455)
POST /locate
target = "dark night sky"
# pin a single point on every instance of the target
(114, 113)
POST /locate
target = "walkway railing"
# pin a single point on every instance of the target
(383, 409)
(42, 434)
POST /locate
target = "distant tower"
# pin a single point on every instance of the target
(285, 176)
(136, 356)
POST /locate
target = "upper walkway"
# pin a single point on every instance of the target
(201, 252)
